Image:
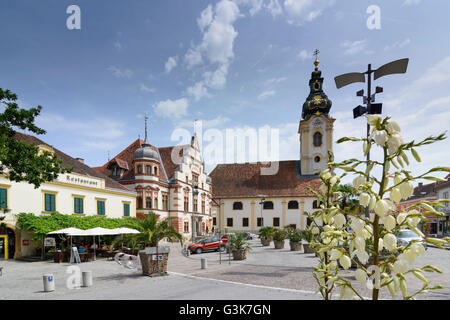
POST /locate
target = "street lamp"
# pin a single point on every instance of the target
(194, 193)
(393, 67)
(261, 205)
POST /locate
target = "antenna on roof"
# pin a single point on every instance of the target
(108, 156)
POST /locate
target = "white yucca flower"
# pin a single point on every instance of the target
(382, 207)
(380, 137)
(389, 223)
(396, 195)
(364, 199)
(373, 119)
(399, 267)
(390, 242)
(361, 276)
(359, 180)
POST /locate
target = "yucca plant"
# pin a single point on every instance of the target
(266, 232)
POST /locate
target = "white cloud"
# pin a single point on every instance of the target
(274, 8)
(198, 91)
(215, 123)
(120, 73)
(273, 81)
(171, 108)
(266, 94)
(301, 11)
(354, 47)
(397, 44)
(144, 88)
(411, 2)
(170, 64)
(206, 18)
(216, 47)
(303, 55)
(85, 131)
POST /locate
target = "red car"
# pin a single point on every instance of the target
(209, 244)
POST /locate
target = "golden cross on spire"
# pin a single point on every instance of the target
(316, 63)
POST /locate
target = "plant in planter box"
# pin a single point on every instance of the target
(153, 258)
(278, 238)
(266, 234)
(307, 236)
(295, 240)
(239, 246)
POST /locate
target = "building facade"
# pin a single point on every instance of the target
(170, 182)
(246, 200)
(82, 192)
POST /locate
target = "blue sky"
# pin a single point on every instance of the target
(232, 64)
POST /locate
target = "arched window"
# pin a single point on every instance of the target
(139, 169)
(139, 202)
(293, 204)
(268, 205)
(237, 205)
(317, 139)
(155, 171)
(148, 169)
(148, 203)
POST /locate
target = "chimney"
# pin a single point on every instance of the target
(80, 159)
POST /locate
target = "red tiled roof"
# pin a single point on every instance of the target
(68, 161)
(245, 180)
(125, 160)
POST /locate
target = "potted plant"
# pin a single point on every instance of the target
(154, 258)
(239, 246)
(295, 240)
(278, 238)
(265, 234)
(307, 236)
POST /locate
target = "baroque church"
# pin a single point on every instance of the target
(170, 182)
(245, 200)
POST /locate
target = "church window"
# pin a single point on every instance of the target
(293, 204)
(148, 203)
(148, 169)
(317, 159)
(139, 168)
(317, 139)
(268, 205)
(237, 205)
(139, 203)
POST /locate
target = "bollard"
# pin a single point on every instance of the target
(87, 278)
(49, 282)
(204, 263)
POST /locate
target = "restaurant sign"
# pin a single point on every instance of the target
(80, 180)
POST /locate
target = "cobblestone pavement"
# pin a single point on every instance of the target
(293, 269)
(257, 277)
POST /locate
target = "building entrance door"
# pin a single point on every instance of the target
(4, 247)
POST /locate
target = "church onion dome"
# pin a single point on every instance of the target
(146, 152)
(317, 101)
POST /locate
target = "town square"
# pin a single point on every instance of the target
(228, 150)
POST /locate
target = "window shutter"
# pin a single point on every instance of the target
(3, 198)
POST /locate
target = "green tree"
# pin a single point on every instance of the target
(18, 160)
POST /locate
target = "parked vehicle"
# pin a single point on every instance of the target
(405, 236)
(214, 243)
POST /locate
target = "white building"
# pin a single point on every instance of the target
(246, 200)
(169, 181)
(82, 192)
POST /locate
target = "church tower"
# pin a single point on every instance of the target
(316, 126)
